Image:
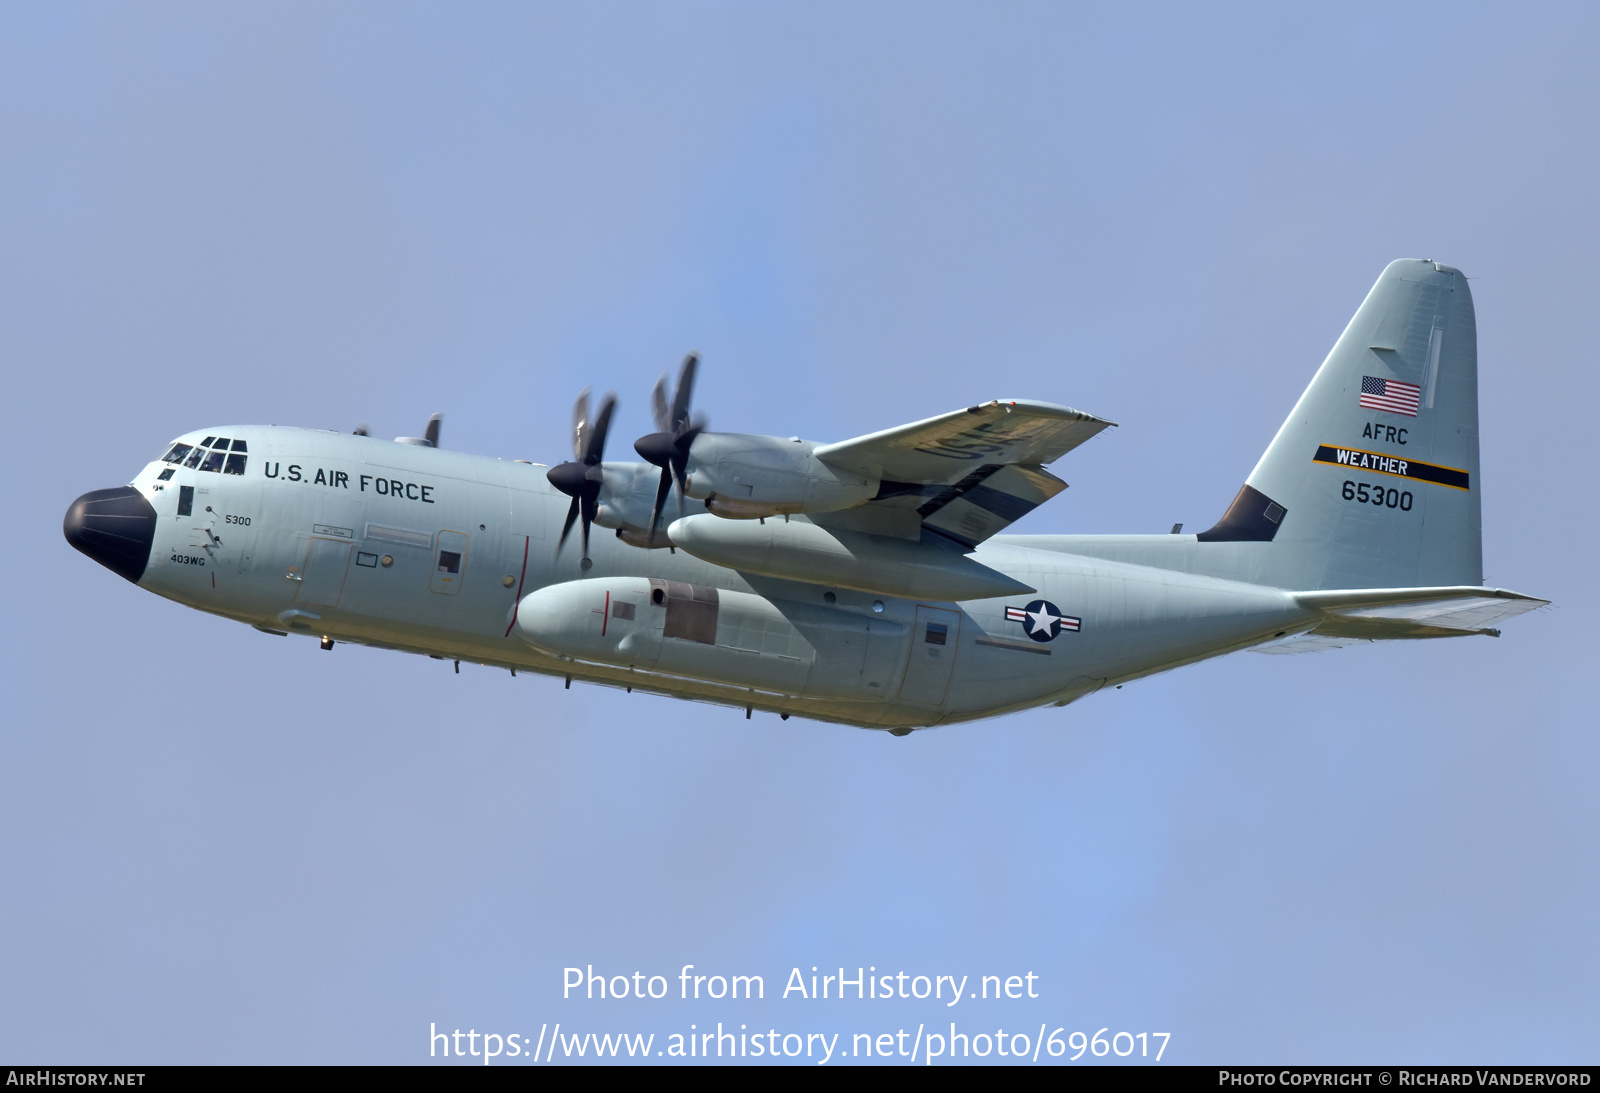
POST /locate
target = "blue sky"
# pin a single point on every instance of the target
(220, 846)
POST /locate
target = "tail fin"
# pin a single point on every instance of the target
(1373, 481)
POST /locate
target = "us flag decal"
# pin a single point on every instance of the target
(1390, 395)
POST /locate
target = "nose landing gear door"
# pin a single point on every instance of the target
(449, 563)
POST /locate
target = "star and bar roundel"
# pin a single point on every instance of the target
(1043, 620)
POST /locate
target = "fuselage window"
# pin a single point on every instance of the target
(936, 634)
(449, 562)
(213, 462)
(164, 475)
(177, 454)
(235, 463)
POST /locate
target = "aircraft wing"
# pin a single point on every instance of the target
(971, 473)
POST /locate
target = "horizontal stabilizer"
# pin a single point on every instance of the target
(1468, 608)
(1350, 616)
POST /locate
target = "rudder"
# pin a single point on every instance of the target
(1373, 481)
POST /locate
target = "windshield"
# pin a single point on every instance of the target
(215, 453)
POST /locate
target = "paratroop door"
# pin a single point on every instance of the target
(322, 576)
(933, 656)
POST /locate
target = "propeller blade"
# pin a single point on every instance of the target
(668, 447)
(580, 424)
(566, 528)
(591, 509)
(680, 460)
(658, 406)
(362, 430)
(661, 498)
(582, 477)
(596, 440)
(680, 405)
(431, 433)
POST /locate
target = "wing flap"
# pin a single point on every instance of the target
(969, 474)
(990, 504)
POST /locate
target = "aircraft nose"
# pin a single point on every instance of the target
(115, 528)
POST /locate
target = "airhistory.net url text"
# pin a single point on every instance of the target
(922, 1045)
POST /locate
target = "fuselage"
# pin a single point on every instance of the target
(437, 552)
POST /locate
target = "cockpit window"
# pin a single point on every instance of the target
(212, 455)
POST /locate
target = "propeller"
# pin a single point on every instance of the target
(669, 447)
(580, 478)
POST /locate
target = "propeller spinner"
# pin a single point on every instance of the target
(669, 448)
(581, 477)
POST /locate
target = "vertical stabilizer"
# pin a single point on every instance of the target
(1373, 480)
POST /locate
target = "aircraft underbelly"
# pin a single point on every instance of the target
(835, 662)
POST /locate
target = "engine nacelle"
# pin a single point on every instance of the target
(627, 494)
(743, 477)
(799, 550)
(734, 638)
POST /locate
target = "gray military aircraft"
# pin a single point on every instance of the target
(863, 582)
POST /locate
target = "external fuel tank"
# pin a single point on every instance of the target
(736, 638)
